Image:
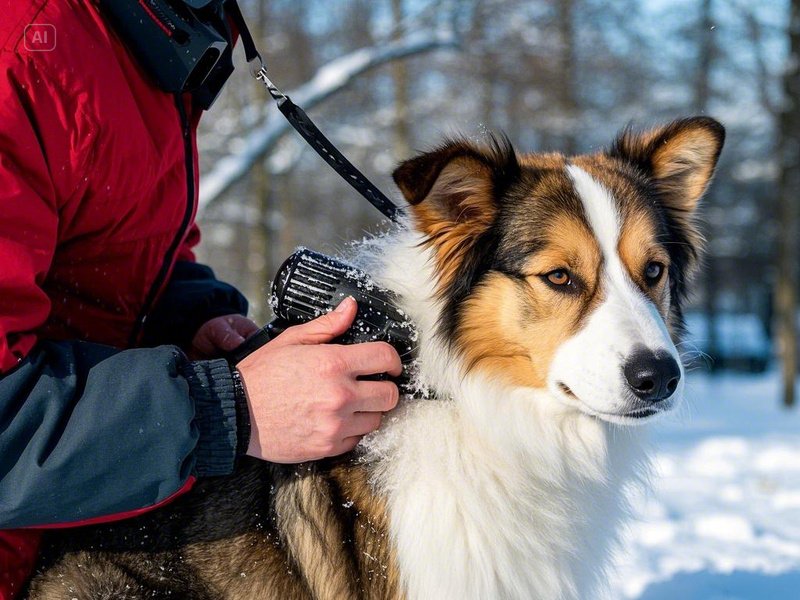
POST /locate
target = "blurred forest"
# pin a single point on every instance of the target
(383, 78)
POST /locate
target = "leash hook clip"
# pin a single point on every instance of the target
(259, 73)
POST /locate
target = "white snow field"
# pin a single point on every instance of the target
(723, 520)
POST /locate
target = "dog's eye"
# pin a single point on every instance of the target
(559, 277)
(653, 272)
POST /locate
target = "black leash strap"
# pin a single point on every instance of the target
(306, 127)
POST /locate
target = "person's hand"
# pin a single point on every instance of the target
(305, 401)
(220, 335)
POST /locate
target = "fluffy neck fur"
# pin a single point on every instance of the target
(492, 491)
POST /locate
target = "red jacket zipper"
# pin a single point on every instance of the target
(166, 265)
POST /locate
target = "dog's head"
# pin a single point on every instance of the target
(568, 273)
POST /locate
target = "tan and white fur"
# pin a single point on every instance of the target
(547, 294)
(507, 490)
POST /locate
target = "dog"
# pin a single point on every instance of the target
(547, 292)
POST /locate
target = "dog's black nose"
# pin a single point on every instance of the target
(652, 376)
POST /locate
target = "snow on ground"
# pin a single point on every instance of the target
(723, 520)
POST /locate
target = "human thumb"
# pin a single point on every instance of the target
(323, 329)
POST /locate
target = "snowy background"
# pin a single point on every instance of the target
(383, 78)
(723, 521)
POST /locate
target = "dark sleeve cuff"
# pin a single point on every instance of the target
(219, 404)
(192, 297)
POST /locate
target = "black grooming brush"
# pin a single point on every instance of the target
(309, 284)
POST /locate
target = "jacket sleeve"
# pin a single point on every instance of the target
(192, 297)
(85, 430)
(90, 431)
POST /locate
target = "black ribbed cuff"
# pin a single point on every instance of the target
(212, 388)
(242, 413)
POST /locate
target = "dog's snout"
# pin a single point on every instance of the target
(652, 376)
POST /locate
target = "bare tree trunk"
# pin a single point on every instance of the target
(706, 50)
(288, 233)
(567, 96)
(400, 78)
(485, 66)
(788, 196)
(262, 236)
(263, 240)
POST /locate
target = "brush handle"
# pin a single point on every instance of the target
(267, 333)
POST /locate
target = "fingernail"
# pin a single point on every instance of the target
(344, 304)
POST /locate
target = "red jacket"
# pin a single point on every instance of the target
(104, 193)
(98, 182)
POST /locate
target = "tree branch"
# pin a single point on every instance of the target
(328, 80)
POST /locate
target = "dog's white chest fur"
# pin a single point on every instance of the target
(474, 518)
(493, 492)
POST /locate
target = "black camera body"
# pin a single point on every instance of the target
(184, 45)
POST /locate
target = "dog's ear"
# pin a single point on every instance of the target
(458, 184)
(680, 157)
(454, 193)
